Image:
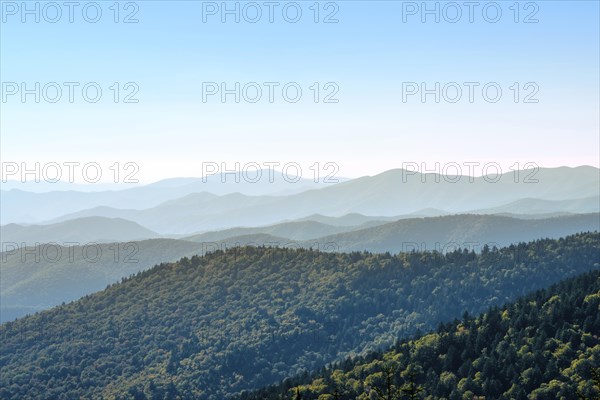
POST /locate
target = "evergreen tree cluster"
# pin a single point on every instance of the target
(545, 346)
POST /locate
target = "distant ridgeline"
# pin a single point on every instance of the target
(217, 326)
(543, 346)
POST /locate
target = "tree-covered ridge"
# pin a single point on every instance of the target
(214, 326)
(543, 346)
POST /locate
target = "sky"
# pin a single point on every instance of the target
(368, 61)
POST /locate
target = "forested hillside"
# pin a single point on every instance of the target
(544, 346)
(211, 327)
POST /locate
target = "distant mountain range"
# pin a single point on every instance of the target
(450, 232)
(376, 229)
(297, 230)
(103, 230)
(76, 231)
(33, 202)
(390, 194)
(424, 234)
(539, 206)
(204, 212)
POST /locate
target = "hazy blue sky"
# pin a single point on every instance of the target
(368, 54)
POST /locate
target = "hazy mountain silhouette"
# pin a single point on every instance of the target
(539, 206)
(449, 232)
(444, 234)
(391, 194)
(295, 230)
(33, 202)
(81, 230)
